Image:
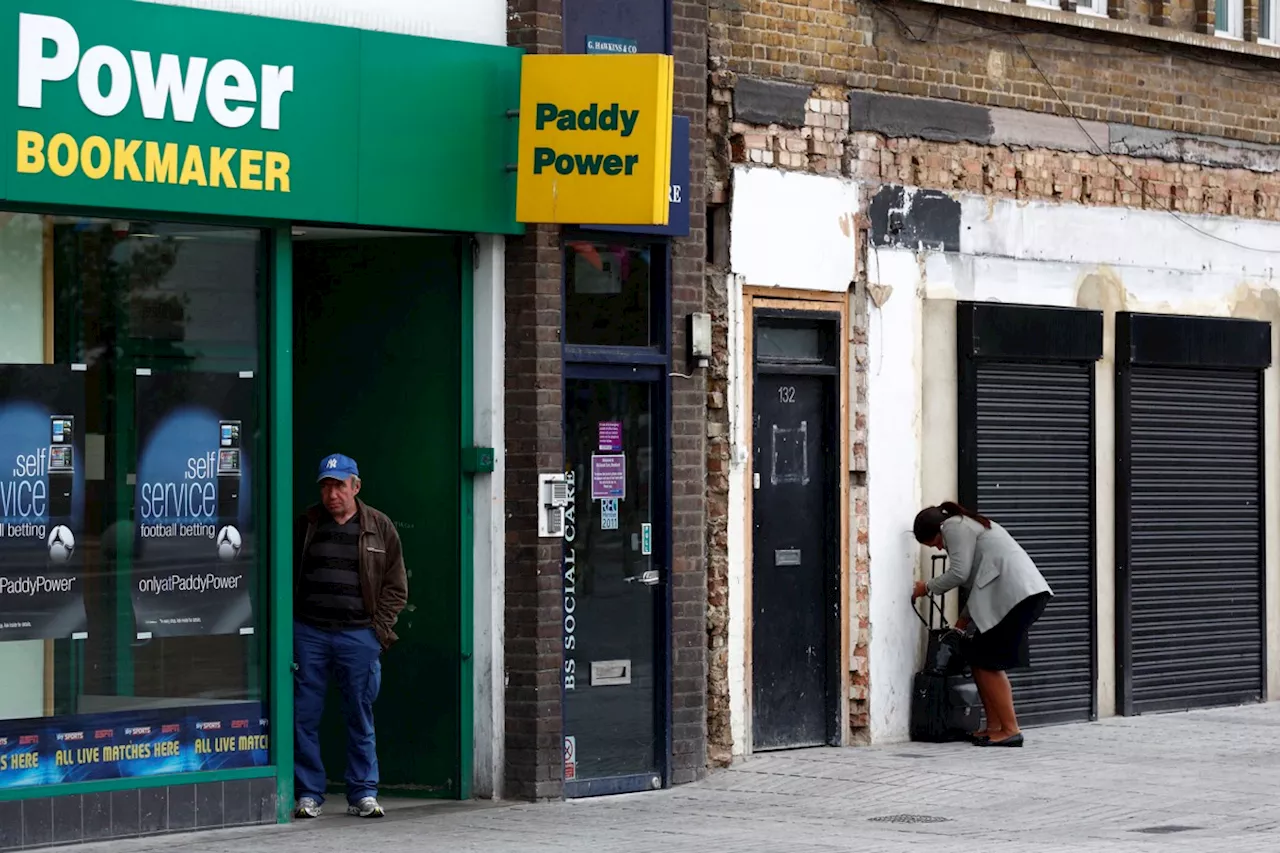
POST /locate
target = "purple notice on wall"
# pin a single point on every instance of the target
(608, 477)
(611, 436)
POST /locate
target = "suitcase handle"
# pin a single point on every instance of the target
(934, 605)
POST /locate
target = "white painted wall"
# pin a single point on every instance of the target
(490, 520)
(793, 230)
(787, 231)
(1105, 259)
(895, 422)
(482, 21)
(22, 342)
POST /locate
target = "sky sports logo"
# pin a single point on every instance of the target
(209, 727)
(70, 736)
(135, 731)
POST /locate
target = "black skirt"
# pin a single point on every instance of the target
(1005, 646)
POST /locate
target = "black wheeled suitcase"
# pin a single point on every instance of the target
(944, 700)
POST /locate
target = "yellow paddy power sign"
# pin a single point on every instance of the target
(595, 139)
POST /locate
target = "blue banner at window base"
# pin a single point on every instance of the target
(124, 744)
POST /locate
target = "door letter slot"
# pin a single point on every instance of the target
(610, 672)
(787, 557)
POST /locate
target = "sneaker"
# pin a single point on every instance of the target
(366, 807)
(307, 808)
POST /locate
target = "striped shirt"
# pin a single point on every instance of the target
(329, 593)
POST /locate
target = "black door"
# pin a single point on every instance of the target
(614, 589)
(795, 655)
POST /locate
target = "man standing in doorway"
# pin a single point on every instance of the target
(349, 586)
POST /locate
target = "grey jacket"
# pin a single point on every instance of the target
(991, 565)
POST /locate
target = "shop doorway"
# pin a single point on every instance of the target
(615, 588)
(378, 367)
(796, 579)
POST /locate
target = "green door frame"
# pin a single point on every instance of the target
(280, 377)
(467, 256)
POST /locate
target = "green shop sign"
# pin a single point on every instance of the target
(132, 105)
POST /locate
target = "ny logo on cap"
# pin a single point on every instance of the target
(333, 463)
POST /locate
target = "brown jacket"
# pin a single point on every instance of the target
(383, 582)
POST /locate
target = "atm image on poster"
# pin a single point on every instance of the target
(42, 497)
(196, 568)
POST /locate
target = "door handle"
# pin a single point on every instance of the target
(649, 578)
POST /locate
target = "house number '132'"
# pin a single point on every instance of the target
(787, 394)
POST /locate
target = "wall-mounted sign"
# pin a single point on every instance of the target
(611, 45)
(154, 107)
(678, 195)
(595, 139)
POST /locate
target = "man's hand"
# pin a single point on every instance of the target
(962, 624)
(919, 591)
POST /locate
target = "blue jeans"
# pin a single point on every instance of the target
(352, 656)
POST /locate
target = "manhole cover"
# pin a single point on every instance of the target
(912, 755)
(909, 818)
(1166, 830)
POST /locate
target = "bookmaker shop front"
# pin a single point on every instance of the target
(221, 238)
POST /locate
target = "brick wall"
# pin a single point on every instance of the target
(978, 58)
(534, 442)
(689, 423)
(833, 48)
(534, 733)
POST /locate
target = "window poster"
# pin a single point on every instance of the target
(41, 502)
(115, 745)
(196, 555)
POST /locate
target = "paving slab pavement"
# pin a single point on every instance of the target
(1203, 781)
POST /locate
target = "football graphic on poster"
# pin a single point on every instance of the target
(228, 543)
(62, 544)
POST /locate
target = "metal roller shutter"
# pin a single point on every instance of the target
(1195, 538)
(1035, 476)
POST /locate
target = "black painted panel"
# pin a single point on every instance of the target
(182, 807)
(96, 811)
(235, 803)
(645, 21)
(262, 800)
(1176, 341)
(1031, 333)
(925, 219)
(757, 101)
(86, 818)
(10, 825)
(153, 810)
(124, 813)
(926, 118)
(209, 807)
(68, 821)
(37, 822)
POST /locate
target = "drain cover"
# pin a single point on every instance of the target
(909, 818)
(1166, 830)
(911, 755)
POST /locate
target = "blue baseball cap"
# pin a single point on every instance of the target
(338, 467)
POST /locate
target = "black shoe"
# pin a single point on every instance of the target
(1016, 740)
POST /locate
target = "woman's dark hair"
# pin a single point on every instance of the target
(929, 520)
